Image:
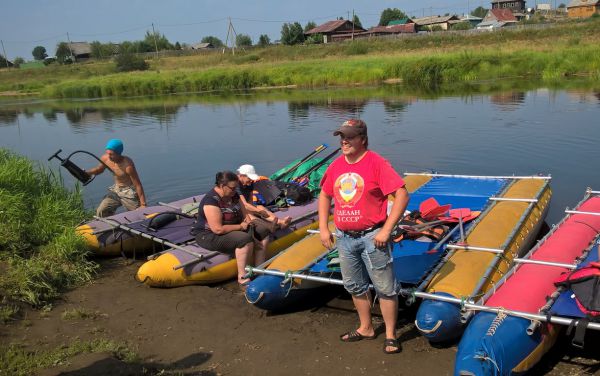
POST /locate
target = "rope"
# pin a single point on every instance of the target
(287, 278)
(496, 322)
(463, 300)
(487, 358)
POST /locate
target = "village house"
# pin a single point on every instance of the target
(345, 29)
(474, 21)
(429, 23)
(496, 18)
(202, 46)
(80, 50)
(389, 30)
(583, 8)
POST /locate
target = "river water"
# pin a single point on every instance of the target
(179, 142)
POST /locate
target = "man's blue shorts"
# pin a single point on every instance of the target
(362, 263)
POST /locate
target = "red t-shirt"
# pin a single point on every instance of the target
(360, 190)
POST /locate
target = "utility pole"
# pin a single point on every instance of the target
(155, 44)
(352, 24)
(70, 49)
(4, 53)
(231, 31)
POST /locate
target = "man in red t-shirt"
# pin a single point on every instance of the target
(359, 181)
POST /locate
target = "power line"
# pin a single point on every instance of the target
(113, 33)
(195, 23)
(36, 41)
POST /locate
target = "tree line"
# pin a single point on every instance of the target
(291, 33)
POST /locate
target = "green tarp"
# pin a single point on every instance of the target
(315, 176)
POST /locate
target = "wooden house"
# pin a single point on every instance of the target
(338, 28)
(388, 30)
(80, 50)
(583, 8)
(428, 23)
(202, 46)
(496, 18)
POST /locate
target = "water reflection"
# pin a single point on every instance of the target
(178, 142)
(508, 101)
(331, 106)
(81, 117)
(8, 117)
(584, 96)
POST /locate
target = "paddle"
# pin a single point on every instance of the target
(407, 229)
(460, 214)
(303, 179)
(317, 150)
(431, 209)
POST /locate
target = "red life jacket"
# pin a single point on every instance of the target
(585, 284)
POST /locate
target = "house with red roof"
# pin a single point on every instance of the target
(343, 29)
(496, 18)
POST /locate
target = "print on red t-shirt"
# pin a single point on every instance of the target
(360, 190)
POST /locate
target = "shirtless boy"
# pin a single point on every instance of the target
(127, 190)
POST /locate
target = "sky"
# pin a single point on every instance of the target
(25, 24)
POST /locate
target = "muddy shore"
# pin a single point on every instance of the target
(200, 330)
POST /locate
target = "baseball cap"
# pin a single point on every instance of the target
(115, 145)
(248, 170)
(352, 128)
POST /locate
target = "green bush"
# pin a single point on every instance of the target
(462, 26)
(357, 48)
(127, 62)
(39, 246)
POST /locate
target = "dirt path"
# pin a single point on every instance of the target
(213, 331)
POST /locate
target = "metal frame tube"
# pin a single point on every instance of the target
(525, 315)
(116, 224)
(472, 226)
(331, 281)
(472, 248)
(513, 199)
(581, 212)
(478, 176)
(531, 252)
(443, 298)
(168, 205)
(545, 263)
(506, 243)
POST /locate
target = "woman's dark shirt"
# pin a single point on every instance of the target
(231, 212)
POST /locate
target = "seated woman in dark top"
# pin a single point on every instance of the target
(222, 225)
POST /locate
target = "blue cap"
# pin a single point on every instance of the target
(115, 145)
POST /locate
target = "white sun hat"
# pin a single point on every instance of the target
(248, 170)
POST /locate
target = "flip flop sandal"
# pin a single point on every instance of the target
(354, 336)
(391, 342)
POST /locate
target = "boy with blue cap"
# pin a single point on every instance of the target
(127, 190)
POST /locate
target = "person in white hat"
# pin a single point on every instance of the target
(247, 176)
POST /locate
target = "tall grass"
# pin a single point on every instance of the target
(304, 65)
(40, 253)
(415, 71)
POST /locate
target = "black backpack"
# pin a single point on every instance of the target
(293, 193)
(281, 193)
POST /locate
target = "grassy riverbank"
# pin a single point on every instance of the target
(40, 253)
(546, 54)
